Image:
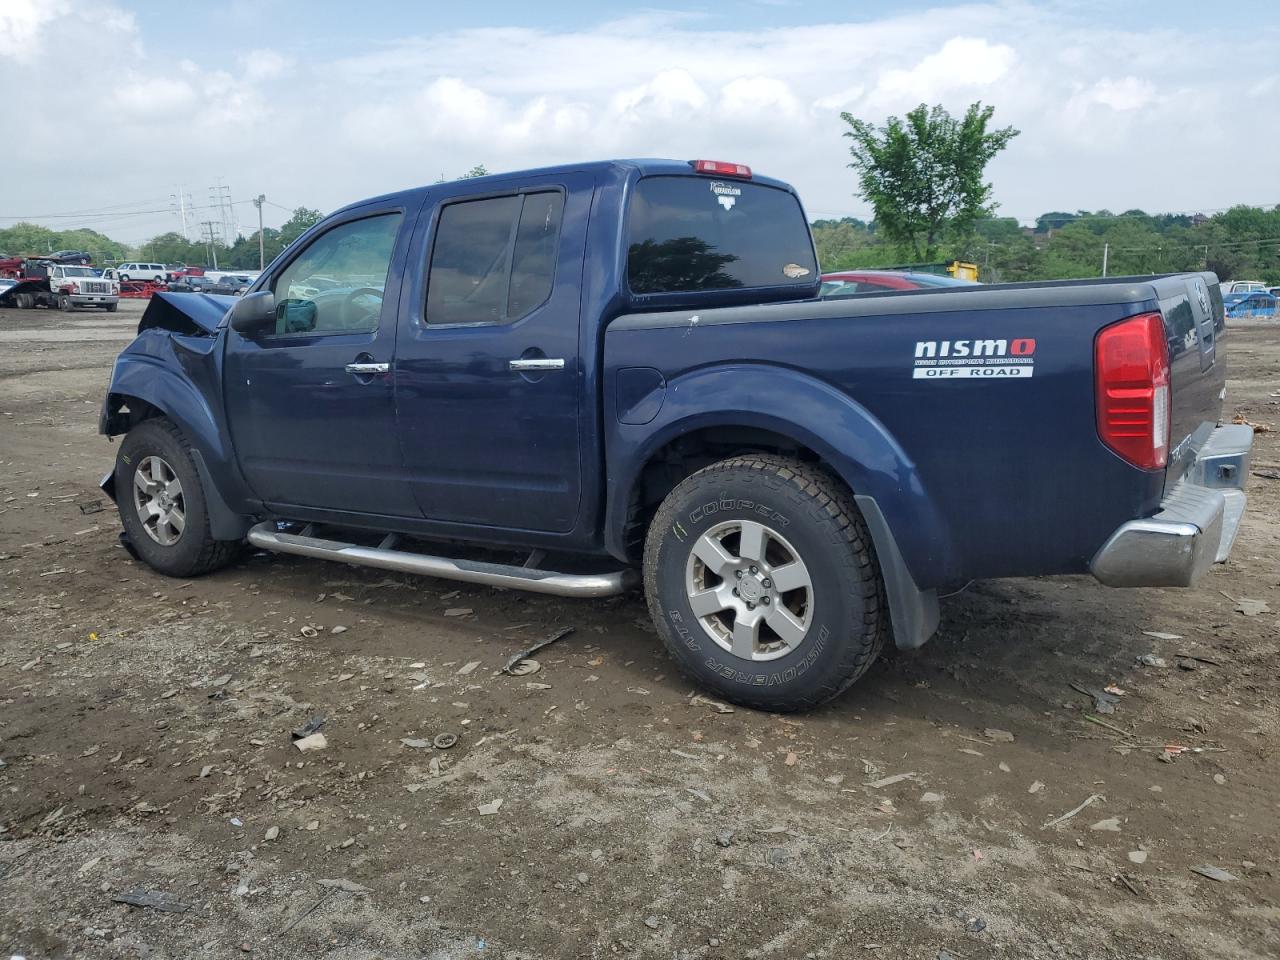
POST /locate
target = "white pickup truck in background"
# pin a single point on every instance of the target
(63, 286)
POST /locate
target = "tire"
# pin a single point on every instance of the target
(124, 278)
(65, 304)
(831, 611)
(110, 307)
(156, 450)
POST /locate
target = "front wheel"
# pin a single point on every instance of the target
(162, 503)
(110, 307)
(65, 304)
(762, 583)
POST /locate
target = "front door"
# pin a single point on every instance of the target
(310, 401)
(488, 374)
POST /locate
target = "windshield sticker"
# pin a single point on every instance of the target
(987, 359)
(726, 193)
(794, 271)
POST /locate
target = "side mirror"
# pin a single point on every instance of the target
(254, 312)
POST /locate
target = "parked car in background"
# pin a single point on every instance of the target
(627, 362)
(1274, 291)
(846, 283)
(81, 257)
(229, 285)
(187, 283)
(1242, 286)
(1255, 306)
(154, 272)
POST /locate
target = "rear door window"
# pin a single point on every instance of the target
(494, 260)
(687, 234)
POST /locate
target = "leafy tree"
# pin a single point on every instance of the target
(477, 171)
(33, 239)
(302, 220)
(1054, 220)
(923, 174)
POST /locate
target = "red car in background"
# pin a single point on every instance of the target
(848, 282)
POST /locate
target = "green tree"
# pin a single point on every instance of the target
(924, 174)
(174, 248)
(477, 171)
(303, 219)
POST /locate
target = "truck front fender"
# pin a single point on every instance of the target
(176, 376)
(907, 529)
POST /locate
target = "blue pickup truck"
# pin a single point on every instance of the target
(575, 379)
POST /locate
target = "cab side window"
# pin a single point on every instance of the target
(494, 260)
(336, 284)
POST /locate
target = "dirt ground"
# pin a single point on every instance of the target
(145, 732)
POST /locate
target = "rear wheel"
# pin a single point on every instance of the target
(761, 581)
(162, 503)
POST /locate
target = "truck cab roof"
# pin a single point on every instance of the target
(622, 169)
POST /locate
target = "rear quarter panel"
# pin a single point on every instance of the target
(999, 476)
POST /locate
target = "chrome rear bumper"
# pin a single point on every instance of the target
(1195, 526)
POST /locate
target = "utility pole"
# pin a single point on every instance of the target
(257, 202)
(180, 200)
(220, 197)
(1106, 249)
(213, 246)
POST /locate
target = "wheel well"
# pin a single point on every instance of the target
(125, 412)
(689, 453)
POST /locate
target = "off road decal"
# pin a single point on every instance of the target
(726, 193)
(989, 359)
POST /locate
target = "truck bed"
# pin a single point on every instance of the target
(1005, 472)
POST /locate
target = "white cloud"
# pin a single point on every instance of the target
(152, 97)
(266, 64)
(962, 62)
(305, 130)
(21, 23)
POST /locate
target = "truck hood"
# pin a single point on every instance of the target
(194, 314)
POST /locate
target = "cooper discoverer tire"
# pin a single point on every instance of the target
(761, 580)
(162, 503)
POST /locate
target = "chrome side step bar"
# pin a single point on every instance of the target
(266, 536)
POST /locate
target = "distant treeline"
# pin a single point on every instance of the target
(1242, 243)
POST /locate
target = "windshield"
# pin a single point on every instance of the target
(77, 272)
(694, 233)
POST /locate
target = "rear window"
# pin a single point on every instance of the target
(687, 234)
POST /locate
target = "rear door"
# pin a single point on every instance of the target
(488, 373)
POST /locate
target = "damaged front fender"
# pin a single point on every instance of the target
(192, 314)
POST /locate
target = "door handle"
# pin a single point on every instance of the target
(366, 369)
(536, 363)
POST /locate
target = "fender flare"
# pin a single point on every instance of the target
(147, 378)
(905, 524)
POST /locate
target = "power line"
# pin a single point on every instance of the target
(114, 215)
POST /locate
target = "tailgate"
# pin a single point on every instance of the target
(1194, 325)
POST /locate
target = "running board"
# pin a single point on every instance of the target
(267, 536)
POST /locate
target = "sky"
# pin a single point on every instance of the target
(1167, 106)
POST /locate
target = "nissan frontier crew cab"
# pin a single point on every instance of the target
(570, 379)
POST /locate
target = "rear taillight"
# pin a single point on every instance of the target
(722, 169)
(1131, 376)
